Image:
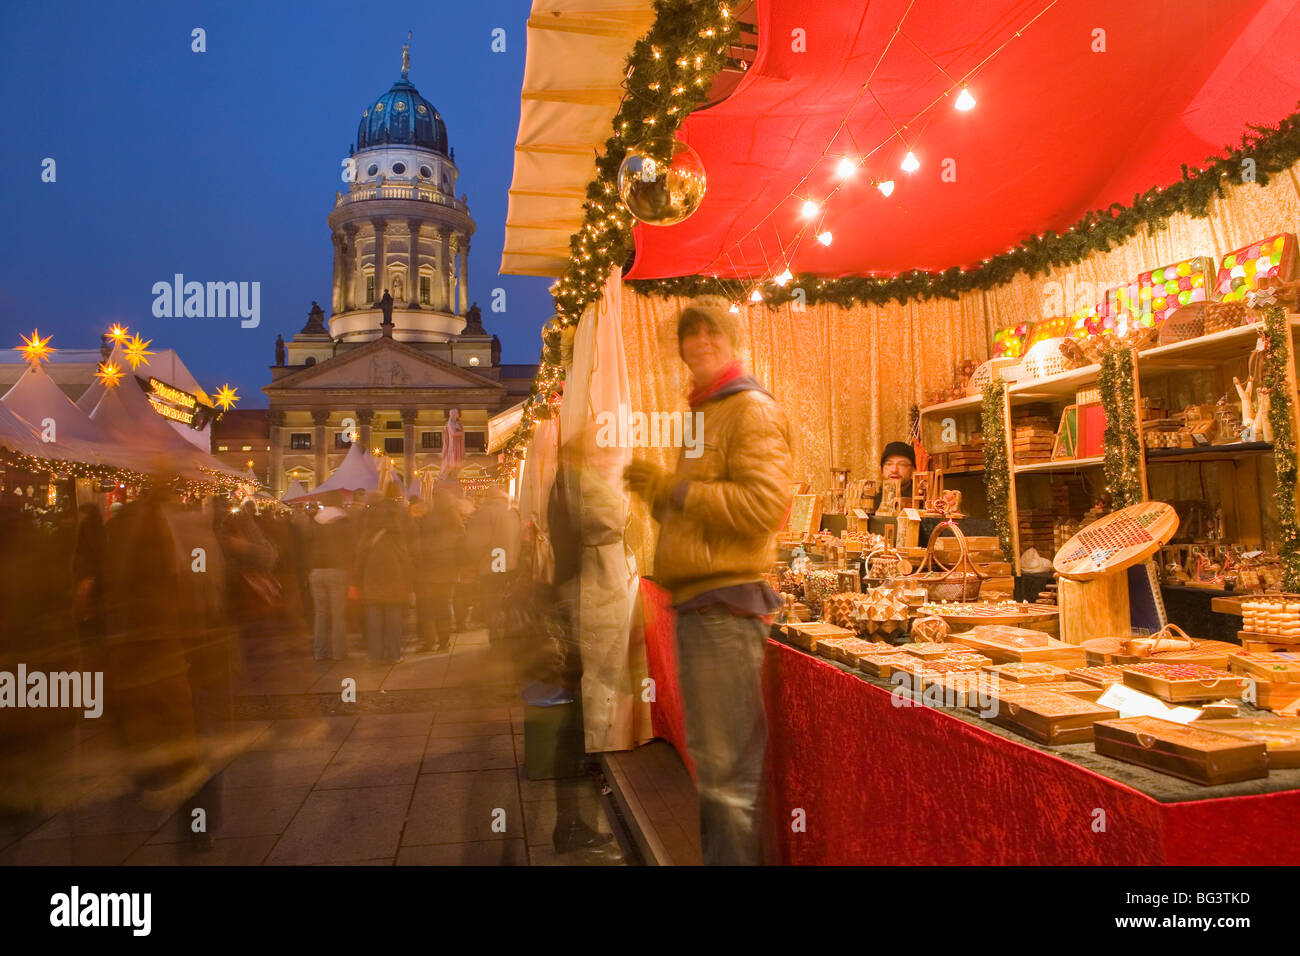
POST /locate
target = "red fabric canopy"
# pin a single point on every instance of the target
(1057, 130)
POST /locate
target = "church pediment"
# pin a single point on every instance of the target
(384, 363)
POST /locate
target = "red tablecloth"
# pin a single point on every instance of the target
(882, 784)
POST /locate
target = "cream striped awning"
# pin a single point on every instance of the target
(572, 88)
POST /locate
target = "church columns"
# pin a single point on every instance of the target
(442, 281)
(336, 301)
(413, 265)
(408, 444)
(380, 227)
(463, 273)
(276, 468)
(319, 418)
(351, 267)
(364, 417)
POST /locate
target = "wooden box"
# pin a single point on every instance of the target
(835, 648)
(1192, 753)
(1182, 683)
(807, 635)
(1046, 716)
(1013, 644)
(878, 665)
(853, 650)
(1281, 737)
(1023, 673)
(930, 649)
(1281, 667)
(1103, 675)
(1076, 688)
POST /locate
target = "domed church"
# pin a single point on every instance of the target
(402, 345)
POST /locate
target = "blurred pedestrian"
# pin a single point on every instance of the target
(440, 551)
(330, 551)
(493, 532)
(384, 572)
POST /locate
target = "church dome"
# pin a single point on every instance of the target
(402, 117)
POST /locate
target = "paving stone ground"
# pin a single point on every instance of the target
(425, 768)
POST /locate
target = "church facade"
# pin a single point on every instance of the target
(402, 345)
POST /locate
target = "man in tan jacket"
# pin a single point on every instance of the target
(718, 515)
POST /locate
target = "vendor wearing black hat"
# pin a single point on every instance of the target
(897, 461)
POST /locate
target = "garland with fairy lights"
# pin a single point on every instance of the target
(1276, 328)
(1121, 445)
(997, 473)
(668, 75)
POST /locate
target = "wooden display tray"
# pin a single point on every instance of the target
(998, 612)
(1215, 685)
(960, 688)
(835, 648)
(1210, 653)
(1075, 688)
(929, 649)
(853, 650)
(1052, 651)
(1281, 737)
(1028, 673)
(1046, 716)
(1202, 756)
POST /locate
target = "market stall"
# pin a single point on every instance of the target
(1090, 355)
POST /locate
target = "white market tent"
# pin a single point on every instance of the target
(37, 399)
(357, 470)
(295, 490)
(17, 434)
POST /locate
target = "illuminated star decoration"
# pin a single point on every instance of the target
(117, 333)
(226, 396)
(137, 351)
(36, 349)
(109, 374)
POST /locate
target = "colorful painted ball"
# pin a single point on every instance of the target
(1158, 304)
(1198, 295)
(1229, 261)
(1238, 283)
(1184, 298)
(1171, 286)
(1185, 282)
(1251, 266)
(1238, 272)
(1198, 280)
(1184, 268)
(1158, 275)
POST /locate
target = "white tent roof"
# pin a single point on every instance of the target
(17, 434)
(36, 398)
(356, 471)
(573, 76)
(295, 490)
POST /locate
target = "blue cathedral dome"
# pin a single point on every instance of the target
(402, 117)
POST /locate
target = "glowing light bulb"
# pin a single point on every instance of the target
(846, 168)
(824, 238)
(910, 163)
(810, 209)
(734, 308)
(965, 101)
(887, 187)
(783, 278)
(756, 296)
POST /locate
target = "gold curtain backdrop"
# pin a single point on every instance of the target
(847, 377)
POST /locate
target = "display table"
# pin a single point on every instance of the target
(878, 783)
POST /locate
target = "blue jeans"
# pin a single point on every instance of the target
(720, 668)
(329, 598)
(384, 631)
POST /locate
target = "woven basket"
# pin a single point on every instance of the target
(961, 582)
(1187, 323)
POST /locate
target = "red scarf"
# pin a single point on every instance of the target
(702, 393)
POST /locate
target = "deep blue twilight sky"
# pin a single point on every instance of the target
(223, 165)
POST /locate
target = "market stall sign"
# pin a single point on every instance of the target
(179, 406)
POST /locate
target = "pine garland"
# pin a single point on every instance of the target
(1277, 383)
(1121, 444)
(997, 474)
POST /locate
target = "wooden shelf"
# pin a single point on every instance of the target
(1053, 387)
(1064, 465)
(1216, 348)
(1209, 453)
(969, 403)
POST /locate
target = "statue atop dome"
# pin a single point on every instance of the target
(406, 55)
